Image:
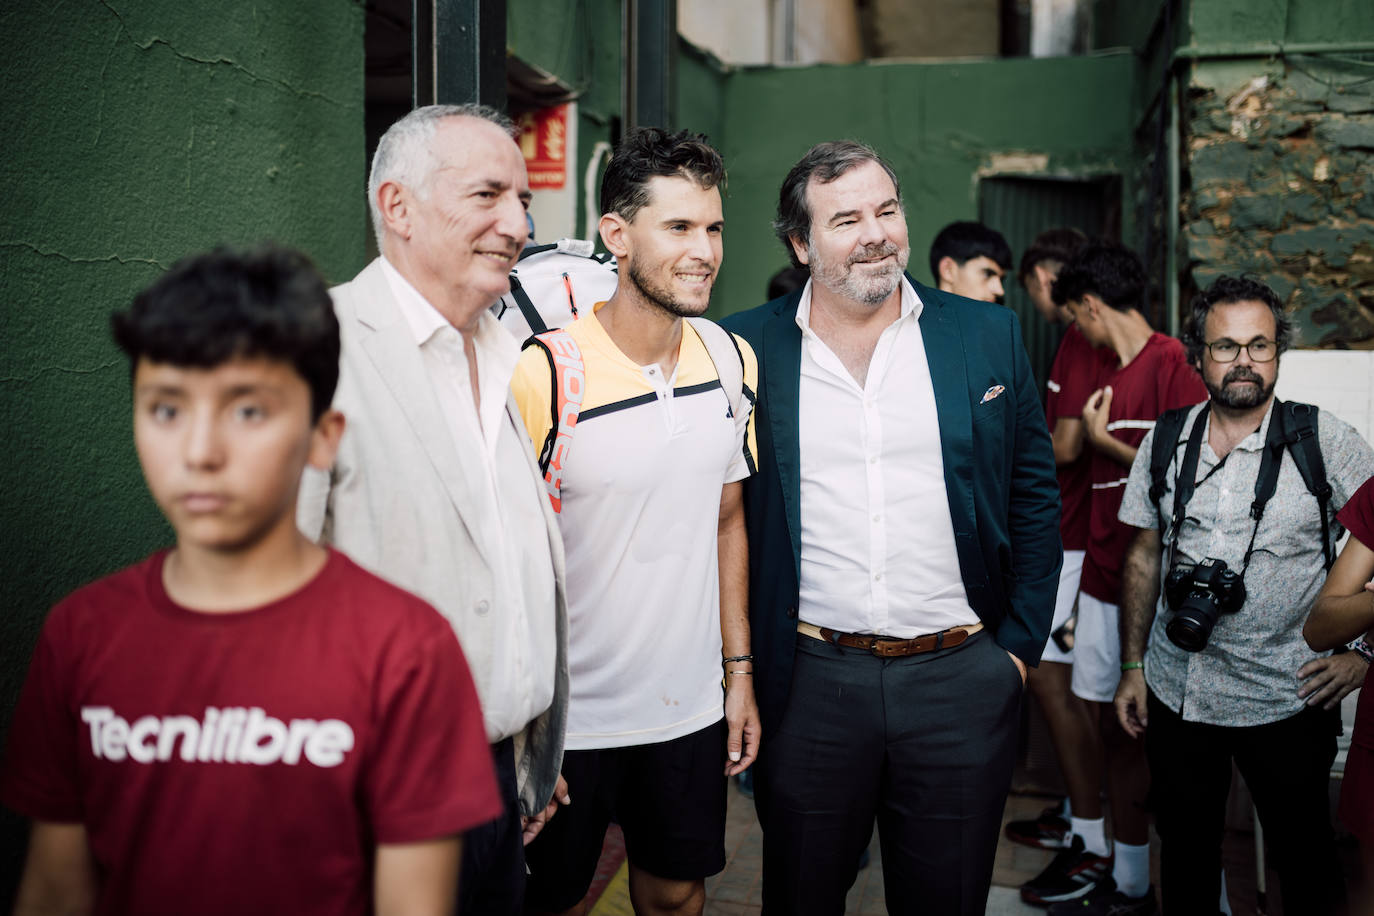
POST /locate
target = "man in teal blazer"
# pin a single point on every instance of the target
(897, 589)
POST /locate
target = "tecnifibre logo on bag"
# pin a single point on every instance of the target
(233, 734)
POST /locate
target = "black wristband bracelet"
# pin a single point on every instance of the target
(736, 658)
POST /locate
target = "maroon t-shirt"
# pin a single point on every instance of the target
(1158, 379)
(1357, 516)
(1075, 374)
(248, 762)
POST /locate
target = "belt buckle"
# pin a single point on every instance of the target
(879, 646)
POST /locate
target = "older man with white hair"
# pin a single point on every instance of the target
(435, 486)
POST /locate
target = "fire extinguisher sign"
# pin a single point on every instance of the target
(544, 142)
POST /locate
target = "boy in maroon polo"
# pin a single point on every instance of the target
(247, 722)
(1076, 824)
(1103, 287)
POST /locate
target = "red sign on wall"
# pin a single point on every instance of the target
(544, 142)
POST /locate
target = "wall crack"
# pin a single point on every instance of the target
(62, 370)
(77, 259)
(234, 65)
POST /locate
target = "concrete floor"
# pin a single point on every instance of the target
(736, 890)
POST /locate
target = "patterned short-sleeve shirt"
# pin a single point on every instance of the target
(1247, 674)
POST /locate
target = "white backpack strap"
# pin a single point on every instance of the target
(729, 359)
(568, 380)
(725, 353)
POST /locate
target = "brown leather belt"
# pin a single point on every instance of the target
(887, 646)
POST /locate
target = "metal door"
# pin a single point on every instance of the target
(1021, 208)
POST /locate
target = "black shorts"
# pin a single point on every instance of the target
(669, 799)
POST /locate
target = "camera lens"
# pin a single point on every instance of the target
(1188, 632)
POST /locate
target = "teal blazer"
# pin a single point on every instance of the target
(999, 476)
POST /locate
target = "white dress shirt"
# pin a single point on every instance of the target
(877, 541)
(523, 662)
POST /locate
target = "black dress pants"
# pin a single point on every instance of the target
(925, 744)
(492, 877)
(1285, 764)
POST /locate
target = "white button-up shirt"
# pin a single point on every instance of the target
(523, 664)
(877, 540)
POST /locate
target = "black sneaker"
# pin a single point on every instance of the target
(1106, 900)
(1071, 876)
(1050, 830)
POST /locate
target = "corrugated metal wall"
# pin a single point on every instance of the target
(1022, 208)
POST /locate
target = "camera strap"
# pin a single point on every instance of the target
(1266, 481)
(1186, 481)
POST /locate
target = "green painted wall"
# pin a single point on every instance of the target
(1125, 25)
(941, 125)
(138, 131)
(701, 81)
(580, 43)
(1216, 22)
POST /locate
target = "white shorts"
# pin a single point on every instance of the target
(1096, 650)
(1065, 602)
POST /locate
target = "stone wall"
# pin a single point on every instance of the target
(1279, 182)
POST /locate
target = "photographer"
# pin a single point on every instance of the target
(1242, 551)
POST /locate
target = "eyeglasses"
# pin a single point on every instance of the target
(1260, 350)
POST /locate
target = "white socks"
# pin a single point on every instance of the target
(1131, 870)
(1092, 832)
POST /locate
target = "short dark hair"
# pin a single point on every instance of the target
(1059, 244)
(965, 240)
(824, 162)
(652, 152)
(210, 308)
(1225, 290)
(1108, 270)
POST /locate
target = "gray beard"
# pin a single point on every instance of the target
(867, 288)
(1240, 398)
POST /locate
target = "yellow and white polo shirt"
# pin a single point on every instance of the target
(641, 501)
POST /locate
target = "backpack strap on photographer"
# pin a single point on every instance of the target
(1300, 436)
(1293, 427)
(1267, 480)
(1186, 481)
(1167, 430)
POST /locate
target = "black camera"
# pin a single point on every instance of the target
(1198, 595)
